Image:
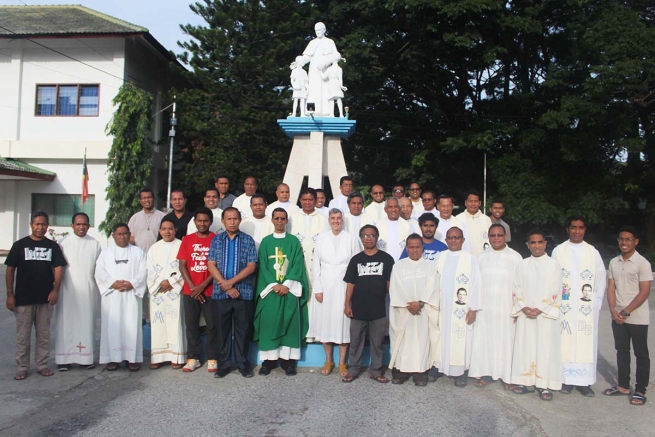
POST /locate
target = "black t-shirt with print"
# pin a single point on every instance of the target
(370, 275)
(34, 262)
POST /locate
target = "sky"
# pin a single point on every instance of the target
(161, 17)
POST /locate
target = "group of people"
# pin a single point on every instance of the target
(450, 293)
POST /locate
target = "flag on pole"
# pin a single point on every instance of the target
(85, 180)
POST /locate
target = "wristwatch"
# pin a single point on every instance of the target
(624, 314)
(420, 304)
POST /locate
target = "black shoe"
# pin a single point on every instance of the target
(64, 367)
(291, 371)
(264, 370)
(585, 391)
(222, 373)
(247, 372)
(566, 389)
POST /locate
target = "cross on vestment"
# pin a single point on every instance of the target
(280, 265)
(80, 347)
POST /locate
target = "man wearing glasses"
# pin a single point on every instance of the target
(398, 191)
(375, 209)
(415, 196)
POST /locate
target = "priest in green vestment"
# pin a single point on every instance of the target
(281, 321)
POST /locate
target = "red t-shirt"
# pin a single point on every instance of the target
(195, 251)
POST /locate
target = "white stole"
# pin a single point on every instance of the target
(584, 331)
(458, 327)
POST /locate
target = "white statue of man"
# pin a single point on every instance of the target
(321, 53)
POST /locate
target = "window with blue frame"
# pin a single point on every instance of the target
(67, 100)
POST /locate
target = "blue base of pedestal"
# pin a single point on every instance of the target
(337, 126)
(312, 354)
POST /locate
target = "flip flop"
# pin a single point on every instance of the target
(155, 366)
(481, 383)
(112, 367)
(349, 378)
(45, 372)
(521, 390)
(545, 394)
(614, 391)
(20, 375)
(133, 367)
(641, 400)
(379, 378)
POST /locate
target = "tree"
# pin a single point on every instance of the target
(130, 157)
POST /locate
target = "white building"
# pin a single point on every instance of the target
(60, 68)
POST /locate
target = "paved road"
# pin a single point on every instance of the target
(166, 402)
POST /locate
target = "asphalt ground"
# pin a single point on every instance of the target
(165, 402)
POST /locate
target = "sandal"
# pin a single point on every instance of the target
(327, 368)
(176, 366)
(614, 391)
(45, 372)
(641, 399)
(461, 381)
(508, 387)
(133, 367)
(349, 378)
(112, 367)
(398, 381)
(155, 366)
(379, 378)
(20, 375)
(545, 394)
(482, 383)
(343, 369)
(521, 390)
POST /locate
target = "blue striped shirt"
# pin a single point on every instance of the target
(231, 256)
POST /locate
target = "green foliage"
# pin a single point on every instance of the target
(130, 157)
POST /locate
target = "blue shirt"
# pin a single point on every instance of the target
(430, 251)
(231, 256)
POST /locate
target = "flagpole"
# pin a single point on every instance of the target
(171, 136)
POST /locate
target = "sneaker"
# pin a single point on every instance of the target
(212, 366)
(191, 365)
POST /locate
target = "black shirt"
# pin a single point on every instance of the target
(35, 262)
(370, 275)
(181, 223)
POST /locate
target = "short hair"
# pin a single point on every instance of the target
(204, 210)
(427, 217)
(40, 213)
(428, 192)
(474, 193)
(370, 190)
(586, 285)
(344, 179)
(258, 196)
(534, 231)
(354, 194)
(631, 229)
(308, 190)
(230, 208)
(462, 289)
(213, 189)
(497, 225)
(320, 190)
(457, 228)
(413, 236)
(146, 190)
(386, 202)
(363, 229)
(446, 196)
(335, 211)
(398, 184)
(120, 225)
(88, 220)
(166, 219)
(497, 201)
(575, 217)
(251, 177)
(222, 176)
(286, 214)
(178, 190)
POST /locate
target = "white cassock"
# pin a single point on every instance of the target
(242, 203)
(392, 236)
(536, 359)
(167, 328)
(493, 332)
(445, 224)
(580, 374)
(121, 335)
(414, 339)
(375, 210)
(289, 207)
(449, 286)
(77, 308)
(416, 229)
(353, 223)
(324, 210)
(340, 202)
(332, 253)
(216, 227)
(257, 228)
(417, 209)
(477, 227)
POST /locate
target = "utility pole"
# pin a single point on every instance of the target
(171, 138)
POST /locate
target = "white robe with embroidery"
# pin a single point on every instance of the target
(291, 208)
(582, 374)
(332, 253)
(392, 236)
(168, 334)
(375, 210)
(353, 223)
(477, 227)
(536, 359)
(474, 303)
(493, 334)
(77, 308)
(414, 338)
(121, 335)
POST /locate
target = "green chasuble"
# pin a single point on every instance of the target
(280, 320)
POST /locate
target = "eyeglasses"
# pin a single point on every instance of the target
(496, 235)
(428, 200)
(378, 192)
(398, 191)
(454, 237)
(369, 236)
(625, 240)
